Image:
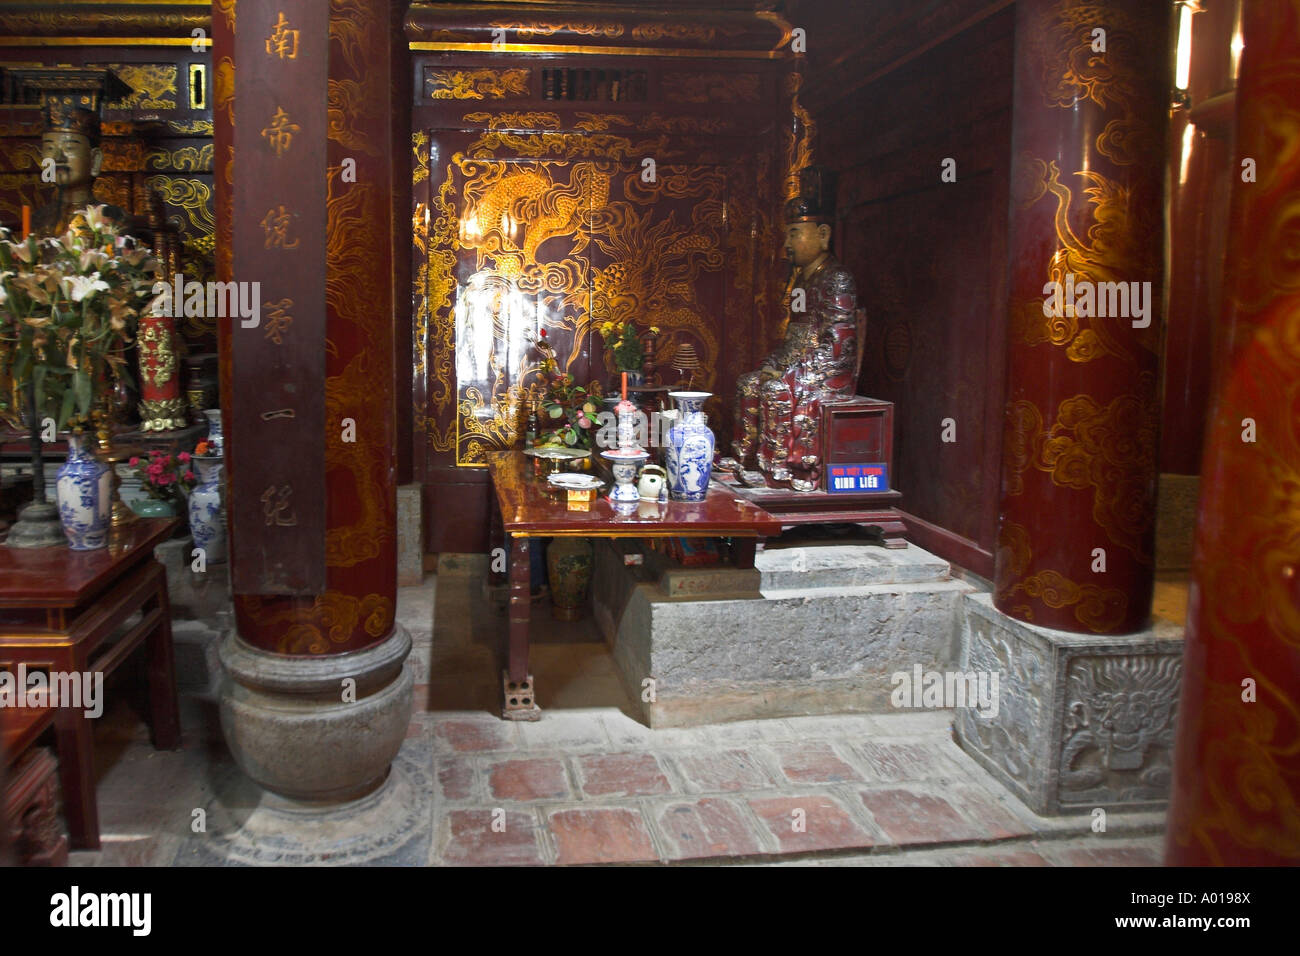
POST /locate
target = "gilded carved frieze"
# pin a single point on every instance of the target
(83, 22)
(710, 87)
(153, 85)
(190, 127)
(476, 84)
(592, 141)
(114, 190)
(187, 159)
(122, 155)
(654, 32)
(532, 29)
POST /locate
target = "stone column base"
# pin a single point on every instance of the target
(290, 728)
(1082, 721)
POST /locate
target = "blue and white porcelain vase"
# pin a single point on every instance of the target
(215, 438)
(688, 455)
(85, 494)
(207, 509)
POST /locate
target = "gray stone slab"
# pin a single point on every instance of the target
(410, 537)
(195, 595)
(198, 670)
(847, 565)
(719, 656)
(1083, 721)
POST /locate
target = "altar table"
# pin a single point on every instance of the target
(59, 607)
(527, 508)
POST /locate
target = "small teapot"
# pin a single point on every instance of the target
(652, 483)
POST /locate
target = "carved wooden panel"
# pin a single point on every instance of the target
(546, 221)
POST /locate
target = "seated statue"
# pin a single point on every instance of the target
(778, 406)
(71, 139)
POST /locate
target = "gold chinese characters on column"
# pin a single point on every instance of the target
(280, 132)
(283, 41)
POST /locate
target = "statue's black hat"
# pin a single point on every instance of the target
(816, 199)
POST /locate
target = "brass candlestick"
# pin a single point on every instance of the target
(111, 455)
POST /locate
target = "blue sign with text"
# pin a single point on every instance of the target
(854, 479)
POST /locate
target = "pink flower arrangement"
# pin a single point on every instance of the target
(164, 476)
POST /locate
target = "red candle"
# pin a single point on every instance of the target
(625, 386)
(27, 222)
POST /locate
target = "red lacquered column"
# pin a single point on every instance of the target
(1082, 417)
(356, 609)
(316, 701)
(1237, 763)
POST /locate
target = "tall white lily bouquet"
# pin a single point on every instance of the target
(68, 308)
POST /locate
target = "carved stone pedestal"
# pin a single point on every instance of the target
(1082, 721)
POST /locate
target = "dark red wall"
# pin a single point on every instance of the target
(929, 257)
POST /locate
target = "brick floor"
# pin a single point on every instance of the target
(1007, 858)
(802, 824)
(473, 736)
(472, 838)
(912, 816)
(592, 785)
(981, 806)
(541, 778)
(1110, 856)
(709, 827)
(624, 775)
(897, 762)
(614, 835)
(723, 770)
(814, 763)
(455, 777)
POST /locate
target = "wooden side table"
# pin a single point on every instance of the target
(30, 809)
(525, 509)
(58, 609)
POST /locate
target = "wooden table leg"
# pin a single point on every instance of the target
(743, 551)
(496, 539)
(520, 699)
(164, 709)
(77, 776)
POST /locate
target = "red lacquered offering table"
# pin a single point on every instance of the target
(58, 609)
(526, 508)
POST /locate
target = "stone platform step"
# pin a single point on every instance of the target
(846, 566)
(818, 628)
